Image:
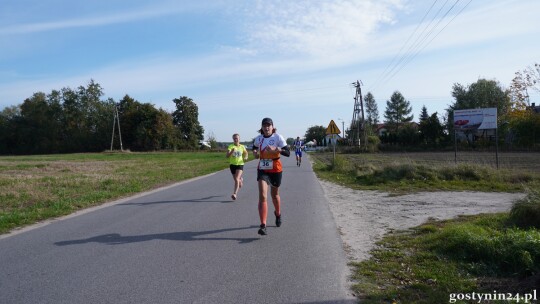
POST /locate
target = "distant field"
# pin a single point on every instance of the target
(34, 188)
(410, 172)
(512, 161)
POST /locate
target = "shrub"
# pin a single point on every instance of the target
(373, 143)
(464, 172)
(491, 251)
(525, 213)
(340, 164)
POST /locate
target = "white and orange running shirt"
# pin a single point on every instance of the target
(269, 161)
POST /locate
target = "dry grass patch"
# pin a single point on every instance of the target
(34, 188)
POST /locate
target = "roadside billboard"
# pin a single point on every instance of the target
(475, 119)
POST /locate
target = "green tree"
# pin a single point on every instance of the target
(186, 120)
(397, 111)
(97, 116)
(8, 130)
(423, 114)
(372, 112)
(145, 128)
(86, 119)
(408, 135)
(432, 130)
(481, 94)
(38, 129)
(316, 132)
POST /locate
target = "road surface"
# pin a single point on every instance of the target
(186, 243)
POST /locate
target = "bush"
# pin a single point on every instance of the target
(464, 172)
(340, 164)
(373, 143)
(525, 213)
(492, 251)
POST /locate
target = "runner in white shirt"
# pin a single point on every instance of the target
(268, 147)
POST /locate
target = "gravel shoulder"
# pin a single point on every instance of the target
(363, 217)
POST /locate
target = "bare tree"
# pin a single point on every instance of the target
(527, 79)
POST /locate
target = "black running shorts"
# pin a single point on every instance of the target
(236, 167)
(272, 178)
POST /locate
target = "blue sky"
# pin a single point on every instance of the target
(240, 61)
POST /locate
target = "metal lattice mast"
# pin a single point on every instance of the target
(116, 119)
(357, 123)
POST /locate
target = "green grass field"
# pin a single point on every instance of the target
(35, 188)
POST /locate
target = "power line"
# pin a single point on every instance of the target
(436, 35)
(384, 73)
(420, 42)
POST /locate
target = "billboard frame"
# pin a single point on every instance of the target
(476, 119)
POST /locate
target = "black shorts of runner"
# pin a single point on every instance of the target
(236, 167)
(272, 178)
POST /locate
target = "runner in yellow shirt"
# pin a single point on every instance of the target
(237, 154)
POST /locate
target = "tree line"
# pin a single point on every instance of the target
(80, 120)
(518, 119)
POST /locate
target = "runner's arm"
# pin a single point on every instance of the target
(245, 154)
(285, 151)
(255, 151)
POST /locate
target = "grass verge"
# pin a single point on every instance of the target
(406, 174)
(496, 254)
(35, 188)
(436, 261)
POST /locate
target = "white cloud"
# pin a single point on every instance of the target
(317, 28)
(120, 15)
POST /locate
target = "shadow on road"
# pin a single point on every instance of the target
(207, 199)
(117, 239)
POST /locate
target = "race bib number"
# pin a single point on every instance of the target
(266, 164)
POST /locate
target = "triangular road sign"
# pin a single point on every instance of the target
(332, 128)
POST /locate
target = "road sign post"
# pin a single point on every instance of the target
(333, 129)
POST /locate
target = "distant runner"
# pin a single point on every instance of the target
(237, 154)
(268, 147)
(298, 147)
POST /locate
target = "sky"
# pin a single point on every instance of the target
(243, 60)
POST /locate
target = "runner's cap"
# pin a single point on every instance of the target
(267, 121)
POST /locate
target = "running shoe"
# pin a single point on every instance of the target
(262, 230)
(278, 219)
(233, 197)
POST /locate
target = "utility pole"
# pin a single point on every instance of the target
(116, 120)
(357, 124)
(342, 128)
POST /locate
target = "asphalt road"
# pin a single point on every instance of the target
(186, 243)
